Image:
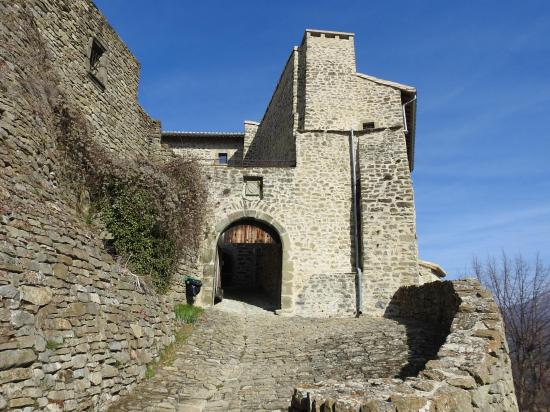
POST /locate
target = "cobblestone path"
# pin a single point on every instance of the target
(251, 362)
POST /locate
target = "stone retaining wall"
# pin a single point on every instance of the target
(75, 328)
(471, 373)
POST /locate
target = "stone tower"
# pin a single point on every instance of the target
(324, 124)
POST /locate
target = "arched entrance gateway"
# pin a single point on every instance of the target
(249, 268)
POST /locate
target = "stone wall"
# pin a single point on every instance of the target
(113, 113)
(274, 138)
(328, 294)
(206, 148)
(390, 255)
(76, 330)
(329, 66)
(471, 372)
(243, 263)
(317, 223)
(269, 270)
(335, 96)
(250, 130)
(249, 266)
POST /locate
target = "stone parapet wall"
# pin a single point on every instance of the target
(471, 372)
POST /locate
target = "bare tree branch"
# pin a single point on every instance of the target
(522, 291)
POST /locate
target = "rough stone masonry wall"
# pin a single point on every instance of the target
(207, 148)
(275, 137)
(335, 97)
(117, 120)
(471, 373)
(75, 329)
(327, 294)
(311, 203)
(390, 254)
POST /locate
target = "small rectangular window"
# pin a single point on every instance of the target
(368, 125)
(95, 55)
(222, 158)
(97, 69)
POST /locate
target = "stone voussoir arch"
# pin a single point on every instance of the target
(210, 256)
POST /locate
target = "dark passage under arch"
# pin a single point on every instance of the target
(250, 263)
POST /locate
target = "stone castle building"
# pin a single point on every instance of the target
(328, 171)
(311, 210)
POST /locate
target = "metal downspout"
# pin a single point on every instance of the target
(354, 181)
(405, 115)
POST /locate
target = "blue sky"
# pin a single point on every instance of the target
(482, 70)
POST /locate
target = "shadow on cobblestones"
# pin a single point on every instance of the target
(251, 361)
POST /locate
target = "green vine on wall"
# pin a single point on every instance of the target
(153, 212)
(130, 216)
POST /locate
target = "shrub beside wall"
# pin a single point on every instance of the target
(153, 213)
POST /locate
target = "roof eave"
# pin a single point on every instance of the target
(169, 133)
(388, 83)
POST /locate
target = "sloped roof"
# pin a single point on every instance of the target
(178, 133)
(395, 85)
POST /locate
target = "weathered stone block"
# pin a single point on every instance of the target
(15, 358)
(39, 296)
(109, 371)
(20, 402)
(96, 378)
(20, 318)
(9, 292)
(137, 330)
(15, 375)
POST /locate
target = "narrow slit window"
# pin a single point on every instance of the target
(222, 158)
(95, 55)
(97, 69)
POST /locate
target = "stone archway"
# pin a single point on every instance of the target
(210, 257)
(249, 265)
